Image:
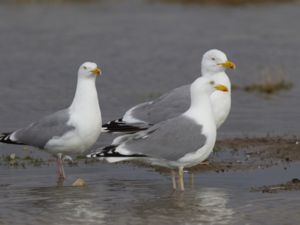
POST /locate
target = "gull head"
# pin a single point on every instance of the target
(89, 70)
(205, 85)
(215, 61)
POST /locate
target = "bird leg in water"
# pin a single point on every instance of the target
(180, 178)
(191, 179)
(60, 182)
(173, 174)
(60, 167)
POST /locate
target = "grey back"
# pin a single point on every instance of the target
(167, 106)
(39, 133)
(170, 140)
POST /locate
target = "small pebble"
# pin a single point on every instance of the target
(79, 183)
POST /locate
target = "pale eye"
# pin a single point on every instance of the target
(85, 67)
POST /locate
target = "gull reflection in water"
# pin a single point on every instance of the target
(66, 205)
(121, 202)
(153, 203)
(213, 203)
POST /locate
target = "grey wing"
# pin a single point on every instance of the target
(39, 133)
(169, 140)
(167, 106)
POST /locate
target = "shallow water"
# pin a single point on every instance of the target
(144, 50)
(129, 195)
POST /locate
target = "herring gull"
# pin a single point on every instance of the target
(69, 131)
(175, 102)
(176, 143)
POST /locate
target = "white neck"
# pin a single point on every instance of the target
(200, 109)
(85, 95)
(219, 78)
(205, 72)
(221, 101)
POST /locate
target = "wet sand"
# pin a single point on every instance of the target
(235, 154)
(244, 154)
(292, 185)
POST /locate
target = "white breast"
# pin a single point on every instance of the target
(221, 101)
(85, 116)
(84, 136)
(203, 115)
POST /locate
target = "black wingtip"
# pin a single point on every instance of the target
(5, 138)
(119, 125)
(105, 152)
(110, 151)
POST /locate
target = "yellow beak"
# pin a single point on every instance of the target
(96, 71)
(228, 65)
(221, 87)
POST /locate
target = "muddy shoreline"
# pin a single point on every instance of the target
(242, 154)
(253, 153)
(229, 154)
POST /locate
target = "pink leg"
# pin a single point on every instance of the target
(60, 168)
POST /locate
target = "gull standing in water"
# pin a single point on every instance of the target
(69, 131)
(176, 143)
(142, 116)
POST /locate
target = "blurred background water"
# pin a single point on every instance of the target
(144, 48)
